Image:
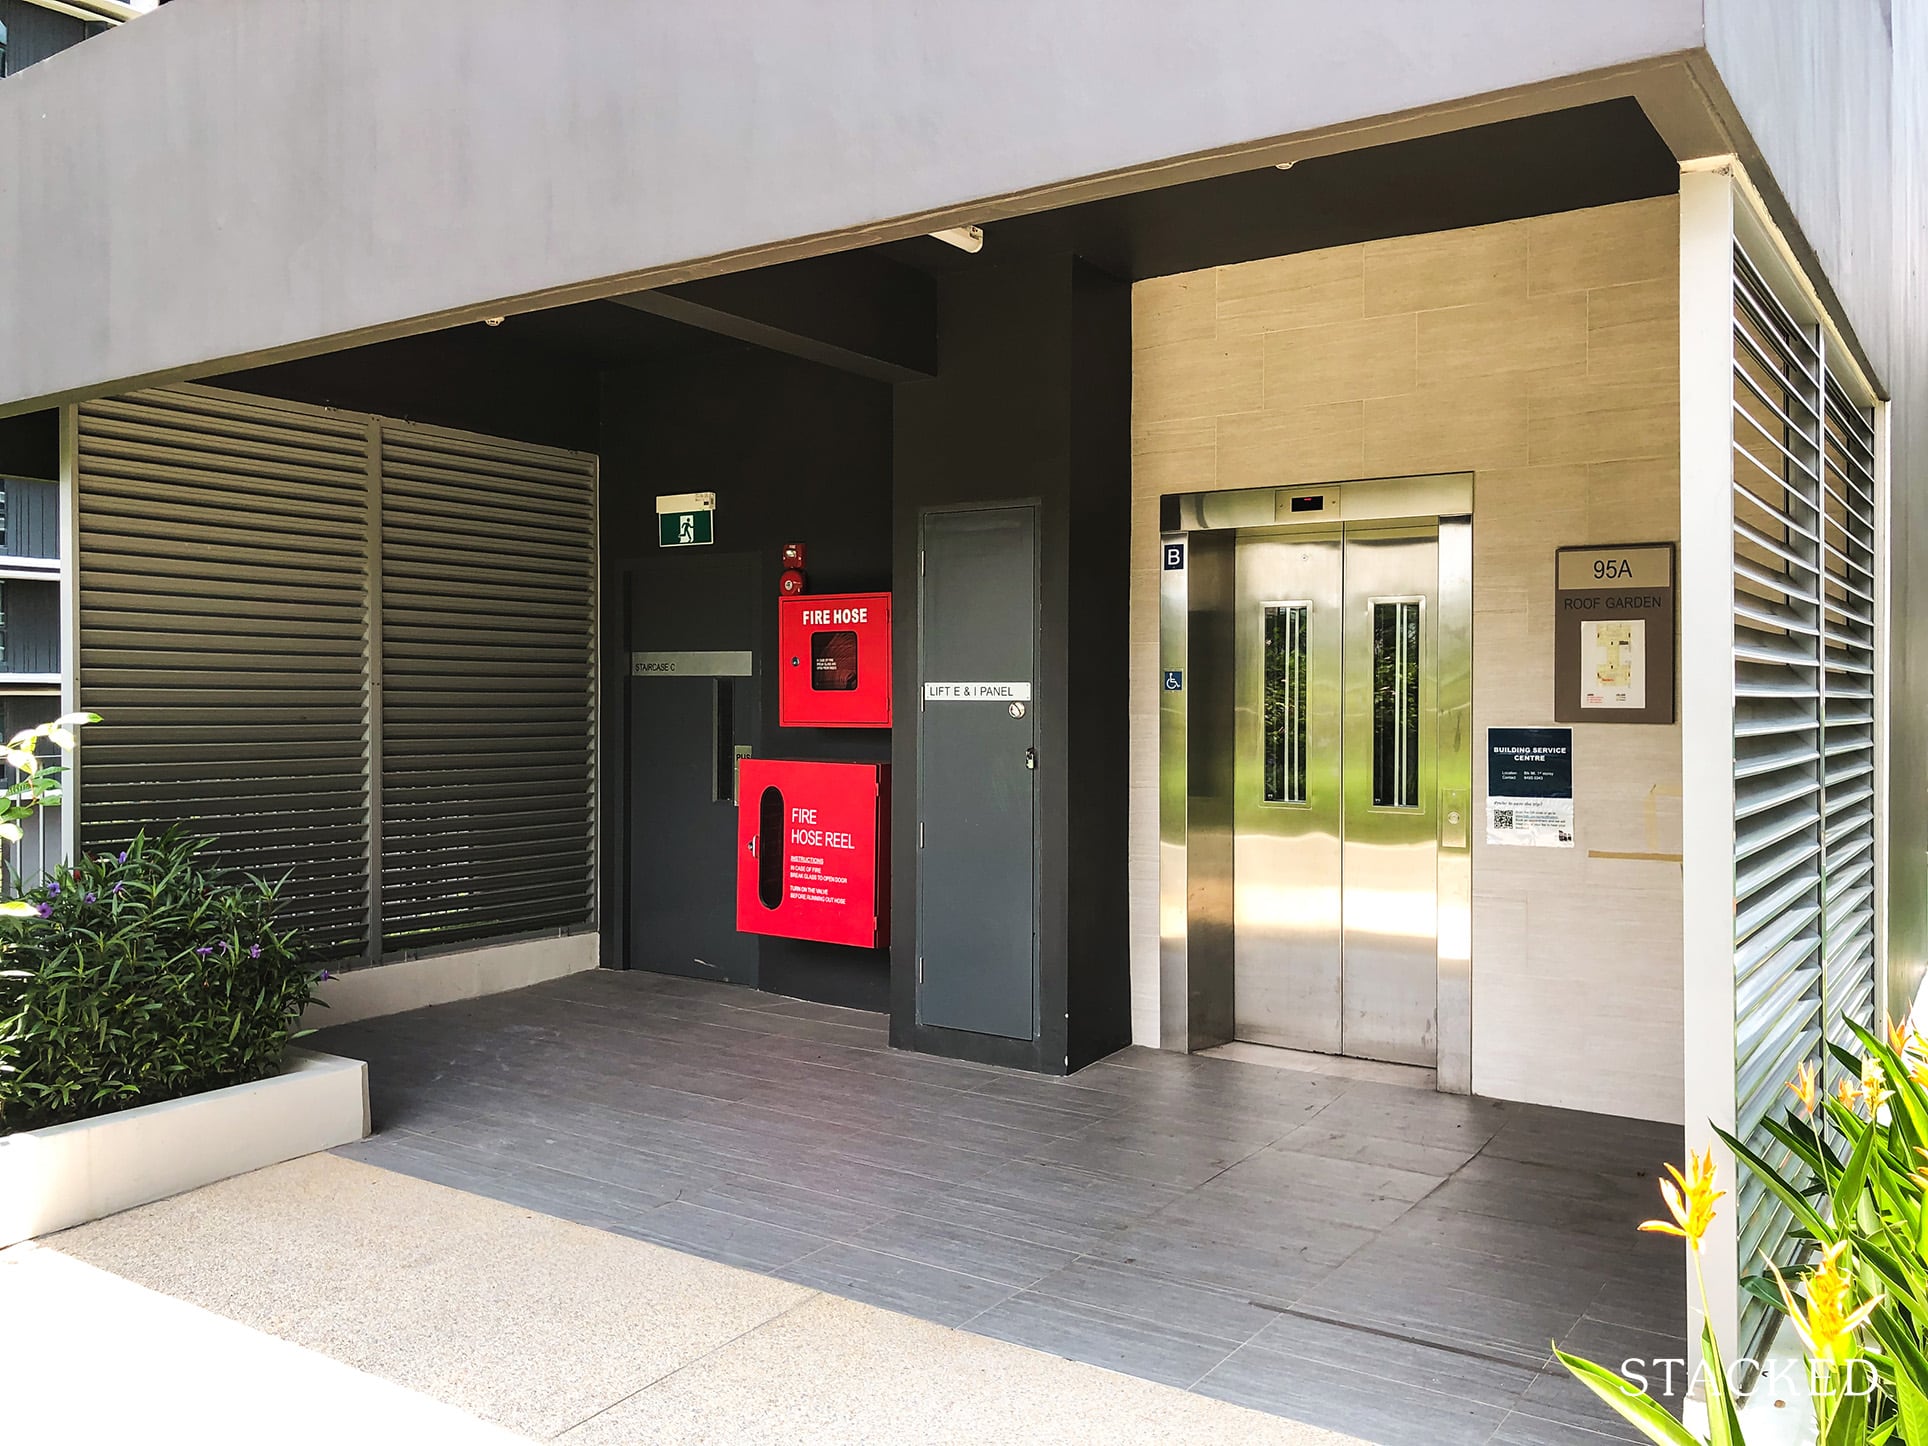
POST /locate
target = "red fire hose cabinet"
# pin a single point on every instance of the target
(813, 850)
(834, 660)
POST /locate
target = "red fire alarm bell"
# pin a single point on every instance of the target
(791, 583)
(812, 851)
(834, 658)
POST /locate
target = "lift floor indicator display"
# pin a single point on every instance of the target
(811, 851)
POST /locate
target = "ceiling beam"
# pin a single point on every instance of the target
(856, 312)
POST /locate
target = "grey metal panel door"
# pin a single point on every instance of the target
(682, 822)
(976, 787)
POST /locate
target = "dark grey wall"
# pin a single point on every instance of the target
(356, 164)
(30, 633)
(33, 518)
(30, 445)
(795, 453)
(1032, 403)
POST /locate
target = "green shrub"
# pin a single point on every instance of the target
(142, 976)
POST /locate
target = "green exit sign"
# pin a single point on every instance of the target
(686, 519)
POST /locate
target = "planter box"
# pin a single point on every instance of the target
(69, 1174)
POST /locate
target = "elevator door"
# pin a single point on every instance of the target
(1335, 812)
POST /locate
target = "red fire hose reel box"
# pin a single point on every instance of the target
(834, 660)
(812, 851)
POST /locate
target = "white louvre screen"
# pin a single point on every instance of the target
(1804, 753)
(1848, 604)
(223, 638)
(488, 592)
(355, 651)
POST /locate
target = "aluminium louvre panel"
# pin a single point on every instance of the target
(488, 775)
(1779, 798)
(1804, 653)
(229, 547)
(222, 593)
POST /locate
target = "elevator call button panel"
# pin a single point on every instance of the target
(834, 660)
(812, 851)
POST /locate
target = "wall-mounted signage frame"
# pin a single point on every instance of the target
(1614, 633)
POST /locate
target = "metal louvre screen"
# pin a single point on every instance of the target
(223, 637)
(487, 605)
(1847, 714)
(1804, 754)
(354, 651)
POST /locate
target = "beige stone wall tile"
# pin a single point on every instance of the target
(1603, 422)
(1445, 268)
(1288, 446)
(1460, 425)
(1308, 289)
(1173, 457)
(1191, 379)
(1554, 384)
(1174, 308)
(1341, 362)
(1633, 332)
(1634, 501)
(1606, 246)
(1491, 338)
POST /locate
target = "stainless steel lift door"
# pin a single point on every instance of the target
(1336, 790)
(1288, 804)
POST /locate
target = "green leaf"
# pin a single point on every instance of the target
(1788, 1194)
(1848, 1425)
(1638, 1409)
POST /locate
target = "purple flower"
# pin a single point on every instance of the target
(46, 911)
(53, 887)
(326, 975)
(121, 857)
(205, 950)
(116, 889)
(254, 951)
(89, 899)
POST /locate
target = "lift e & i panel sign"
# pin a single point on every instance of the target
(1613, 634)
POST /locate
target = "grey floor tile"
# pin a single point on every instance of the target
(1350, 1402)
(1399, 1361)
(926, 1291)
(962, 1248)
(730, 1239)
(1119, 1343)
(1362, 1254)
(1129, 1290)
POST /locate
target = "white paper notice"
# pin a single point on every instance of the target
(1613, 664)
(1535, 823)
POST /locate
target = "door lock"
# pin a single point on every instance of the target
(1030, 758)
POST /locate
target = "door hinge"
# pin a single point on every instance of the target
(920, 833)
(920, 968)
(920, 562)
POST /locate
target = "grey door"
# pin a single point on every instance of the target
(682, 736)
(976, 764)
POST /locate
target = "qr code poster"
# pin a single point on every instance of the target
(1545, 823)
(1529, 787)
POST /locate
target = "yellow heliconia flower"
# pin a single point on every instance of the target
(1874, 1084)
(1806, 1085)
(1827, 1326)
(1848, 1092)
(1690, 1200)
(1897, 1034)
